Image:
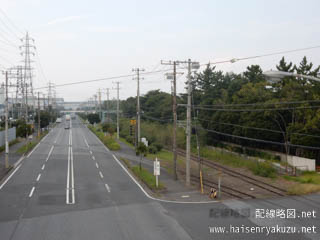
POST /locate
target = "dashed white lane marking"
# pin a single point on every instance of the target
(4, 183)
(31, 192)
(90, 152)
(97, 165)
(43, 166)
(38, 178)
(50, 153)
(101, 175)
(85, 140)
(107, 187)
(93, 158)
(185, 196)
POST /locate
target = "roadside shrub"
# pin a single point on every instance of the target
(130, 139)
(152, 149)
(158, 145)
(263, 169)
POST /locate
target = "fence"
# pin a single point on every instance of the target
(11, 136)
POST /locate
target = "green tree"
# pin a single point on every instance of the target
(93, 118)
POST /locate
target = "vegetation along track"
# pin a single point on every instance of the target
(256, 182)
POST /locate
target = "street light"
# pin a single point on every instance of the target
(278, 75)
(275, 76)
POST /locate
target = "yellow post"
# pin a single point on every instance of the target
(201, 184)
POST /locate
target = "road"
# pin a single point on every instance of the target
(72, 187)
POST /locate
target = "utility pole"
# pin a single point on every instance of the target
(107, 89)
(191, 65)
(6, 127)
(39, 114)
(138, 70)
(99, 96)
(117, 108)
(188, 126)
(174, 110)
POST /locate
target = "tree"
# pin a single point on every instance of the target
(93, 118)
(254, 74)
(44, 119)
(141, 150)
(284, 66)
(22, 128)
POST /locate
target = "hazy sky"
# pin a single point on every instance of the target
(81, 40)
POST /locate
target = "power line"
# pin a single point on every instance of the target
(11, 22)
(167, 120)
(233, 60)
(253, 110)
(259, 140)
(258, 104)
(256, 128)
(167, 70)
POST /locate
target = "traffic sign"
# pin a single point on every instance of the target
(132, 122)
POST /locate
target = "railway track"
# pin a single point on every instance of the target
(224, 189)
(253, 181)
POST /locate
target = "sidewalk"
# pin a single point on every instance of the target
(13, 157)
(175, 190)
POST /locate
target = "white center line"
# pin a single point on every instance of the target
(31, 192)
(90, 152)
(43, 166)
(97, 165)
(38, 178)
(93, 158)
(101, 174)
(107, 187)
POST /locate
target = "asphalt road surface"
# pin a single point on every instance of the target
(72, 187)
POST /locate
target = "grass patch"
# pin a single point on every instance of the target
(145, 176)
(166, 159)
(126, 142)
(264, 169)
(307, 177)
(109, 141)
(301, 189)
(126, 162)
(31, 144)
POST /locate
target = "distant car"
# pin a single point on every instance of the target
(67, 126)
(59, 120)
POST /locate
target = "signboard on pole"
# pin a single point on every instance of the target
(156, 170)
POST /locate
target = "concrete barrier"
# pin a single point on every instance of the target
(303, 164)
